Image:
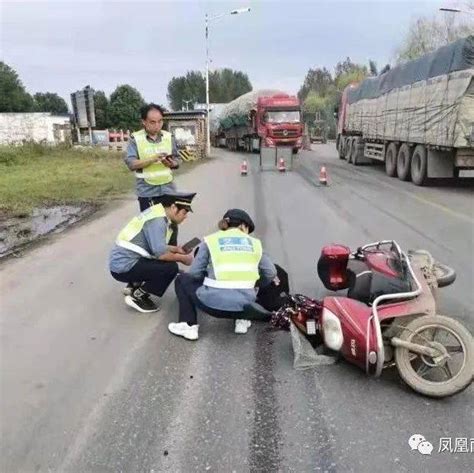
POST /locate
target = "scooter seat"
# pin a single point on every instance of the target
(360, 286)
(254, 311)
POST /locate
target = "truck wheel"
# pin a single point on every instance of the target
(349, 145)
(391, 160)
(340, 147)
(357, 152)
(419, 165)
(404, 162)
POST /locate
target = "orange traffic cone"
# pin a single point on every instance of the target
(244, 168)
(281, 165)
(323, 178)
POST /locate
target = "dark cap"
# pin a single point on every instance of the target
(240, 215)
(181, 199)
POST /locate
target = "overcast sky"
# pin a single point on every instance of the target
(61, 46)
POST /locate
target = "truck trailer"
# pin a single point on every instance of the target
(417, 118)
(268, 118)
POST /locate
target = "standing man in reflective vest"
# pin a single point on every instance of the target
(143, 255)
(222, 278)
(151, 155)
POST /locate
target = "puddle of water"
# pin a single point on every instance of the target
(18, 231)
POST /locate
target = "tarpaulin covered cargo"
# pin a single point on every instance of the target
(429, 100)
(236, 113)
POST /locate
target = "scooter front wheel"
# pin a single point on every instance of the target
(447, 373)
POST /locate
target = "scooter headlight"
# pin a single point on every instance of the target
(332, 331)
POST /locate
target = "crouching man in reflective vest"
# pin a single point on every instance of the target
(143, 256)
(222, 278)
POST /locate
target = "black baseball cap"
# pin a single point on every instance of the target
(240, 215)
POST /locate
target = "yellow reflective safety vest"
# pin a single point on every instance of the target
(135, 226)
(235, 258)
(156, 174)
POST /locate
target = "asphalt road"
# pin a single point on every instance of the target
(88, 385)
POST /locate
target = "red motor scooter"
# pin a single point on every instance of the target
(388, 316)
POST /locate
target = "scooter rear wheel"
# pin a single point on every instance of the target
(442, 376)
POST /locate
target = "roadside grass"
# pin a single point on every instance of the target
(34, 175)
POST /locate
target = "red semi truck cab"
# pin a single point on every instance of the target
(279, 121)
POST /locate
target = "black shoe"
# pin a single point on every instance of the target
(141, 301)
(128, 289)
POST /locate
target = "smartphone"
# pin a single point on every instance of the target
(190, 245)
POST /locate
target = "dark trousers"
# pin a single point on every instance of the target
(186, 287)
(146, 202)
(156, 275)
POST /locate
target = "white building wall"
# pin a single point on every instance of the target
(16, 128)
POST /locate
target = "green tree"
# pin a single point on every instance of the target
(192, 87)
(347, 78)
(316, 107)
(373, 68)
(314, 104)
(224, 85)
(428, 34)
(101, 105)
(50, 102)
(348, 72)
(317, 80)
(320, 92)
(347, 66)
(124, 108)
(13, 96)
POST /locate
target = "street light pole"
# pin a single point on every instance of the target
(208, 130)
(452, 19)
(207, 21)
(457, 10)
(187, 103)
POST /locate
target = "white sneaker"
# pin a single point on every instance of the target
(182, 329)
(241, 325)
